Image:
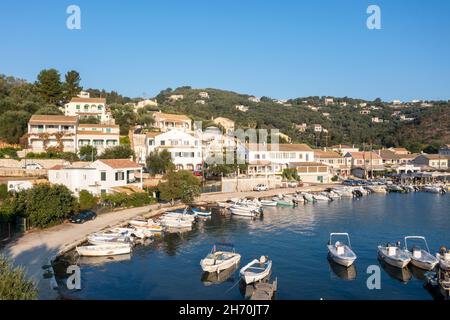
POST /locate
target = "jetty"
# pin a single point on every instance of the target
(264, 290)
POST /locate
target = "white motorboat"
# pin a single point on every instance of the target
(339, 252)
(394, 256)
(176, 223)
(433, 189)
(421, 258)
(225, 205)
(377, 189)
(104, 250)
(256, 270)
(95, 239)
(178, 216)
(201, 213)
(320, 197)
(268, 203)
(331, 194)
(151, 227)
(243, 212)
(221, 257)
(344, 192)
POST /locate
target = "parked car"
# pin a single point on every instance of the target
(33, 166)
(260, 187)
(83, 216)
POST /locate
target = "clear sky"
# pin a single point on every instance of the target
(282, 49)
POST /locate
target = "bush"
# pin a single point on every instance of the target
(181, 185)
(3, 192)
(13, 283)
(8, 153)
(335, 178)
(86, 200)
(290, 174)
(122, 200)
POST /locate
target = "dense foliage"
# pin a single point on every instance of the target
(88, 153)
(14, 284)
(122, 200)
(86, 200)
(182, 185)
(117, 152)
(159, 162)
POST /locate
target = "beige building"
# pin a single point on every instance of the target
(436, 161)
(89, 107)
(226, 123)
(166, 122)
(52, 131)
(335, 161)
(312, 172)
(101, 136)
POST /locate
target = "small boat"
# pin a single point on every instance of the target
(152, 227)
(201, 213)
(394, 188)
(225, 205)
(268, 203)
(377, 189)
(221, 257)
(320, 197)
(393, 255)
(256, 270)
(104, 250)
(243, 212)
(95, 239)
(339, 252)
(332, 195)
(178, 216)
(176, 223)
(138, 221)
(433, 189)
(421, 258)
(308, 197)
(285, 203)
(444, 258)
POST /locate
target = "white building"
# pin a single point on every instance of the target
(328, 101)
(318, 128)
(167, 121)
(176, 97)
(254, 99)
(241, 107)
(203, 95)
(89, 107)
(226, 123)
(143, 103)
(377, 120)
(101, 176)
(200, 102)
(185, 149)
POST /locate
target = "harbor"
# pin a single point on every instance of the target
(294, 240)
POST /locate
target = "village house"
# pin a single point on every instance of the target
(270, 159)
(52, 131)
(343, 149)
(254, 99)
(318, 128)
(364, 163)
(396, 156)
(312, 172)
(333, 160)
(377, 120)
(436, 161)
(203, 95)
(166, 121)
(301, 127)
(99, 177)
(328, 101)
(100, 136)
(176, 97)
(225, 123)
(144, 103)
(200, 102)
(89, 107)
(364, 112)
(185, 149)
(241, 107)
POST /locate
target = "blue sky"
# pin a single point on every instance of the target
(282, 49)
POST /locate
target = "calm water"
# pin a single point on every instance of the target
(295, 239)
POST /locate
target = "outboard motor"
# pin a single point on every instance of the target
(442, 250)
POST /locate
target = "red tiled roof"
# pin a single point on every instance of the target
(120, 163)
(88, 100)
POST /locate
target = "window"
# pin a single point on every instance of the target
(108, 130)
(100, 107)
(86, 107)
(119, 175)
(78, 107)
(151, 142)
(102, 176)
(163, 142)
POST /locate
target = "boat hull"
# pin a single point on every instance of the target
(398, 263)
(232, 262)
(103, 250)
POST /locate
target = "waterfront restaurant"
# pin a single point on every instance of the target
(312, 172)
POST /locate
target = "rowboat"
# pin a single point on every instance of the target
(421, 258)
(151, 227)
(139, 221)
(393, 256)
(176, 223)
(95, 239)
(104, 250)
(339, 252)
(256, 270)
(177, 216)
(285, 203)
(201, 213)
(221, 257)
(243, 212)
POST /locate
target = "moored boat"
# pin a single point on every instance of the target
(256, 270)
(268, 203)
(221, 257)
(393, 255)
(104, 250)
(421, 258)
(339, 252)
(201, 213)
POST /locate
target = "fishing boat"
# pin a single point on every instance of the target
(201, 213)
(393, 255)
(256, 270)
(221, 257)
(421, 258)
(444, 258)
(433, 189)
(394, 188)
(339, 252)
(104, 250)
(268, 203)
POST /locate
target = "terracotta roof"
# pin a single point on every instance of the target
(435, 156)
(51, 119)
(120, 163)
(88, 100)
(57, 167)
(152, 134)
(87, 125)
(169, 116)
(279, 147)
(364, 155)
(320, 154)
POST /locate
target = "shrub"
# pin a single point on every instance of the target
(86, 200)
(335, 178)
(14, 284)
(3, 192)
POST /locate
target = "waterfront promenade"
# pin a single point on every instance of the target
(35, 249)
